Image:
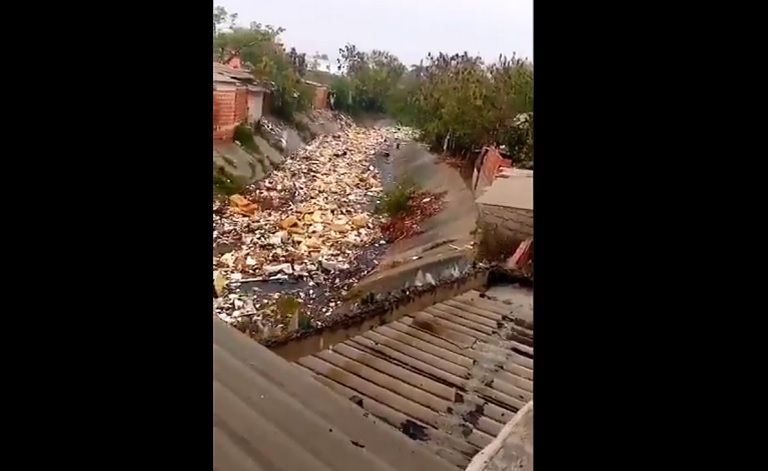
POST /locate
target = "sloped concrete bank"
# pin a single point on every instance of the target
(276, 140)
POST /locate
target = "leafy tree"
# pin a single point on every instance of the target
(259, 49)
(368, 79)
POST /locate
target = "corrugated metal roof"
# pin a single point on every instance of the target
(449, 376)
(257, 88)
(231, 72)
(271, 415)
(315, 84)
(217, 77)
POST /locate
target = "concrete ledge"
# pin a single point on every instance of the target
(295, 345)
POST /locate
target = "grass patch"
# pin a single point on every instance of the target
(244, 136)
(395, 201)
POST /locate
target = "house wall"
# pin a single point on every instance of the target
(224, 113)
(513, 224)
(230, 107)
(241, 105)
(255, 106)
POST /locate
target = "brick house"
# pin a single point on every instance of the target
(236, 99)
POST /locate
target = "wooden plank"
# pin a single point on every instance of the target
(394, 384)
(421, 355)
(427, 325)
(426, 346)
(407, 361)
(390, 368)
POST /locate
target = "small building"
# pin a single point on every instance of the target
(321, 95)
(237, 98)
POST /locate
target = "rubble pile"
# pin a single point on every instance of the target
(306, 229)
(422, 205)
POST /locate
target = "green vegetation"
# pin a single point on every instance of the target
(244, 136)
(259, 48)
(457, 101)
(395, 201)
(368, 79)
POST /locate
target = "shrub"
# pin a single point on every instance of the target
(395, 201)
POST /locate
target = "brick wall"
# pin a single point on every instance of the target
(510, 223)
(241, 105)
(320, 99)
(491, 164)
(230, 107)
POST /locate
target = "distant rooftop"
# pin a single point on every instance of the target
(512, 188)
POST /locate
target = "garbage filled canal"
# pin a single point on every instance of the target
(289, 250)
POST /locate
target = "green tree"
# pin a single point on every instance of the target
(368, 80)
(259, 49)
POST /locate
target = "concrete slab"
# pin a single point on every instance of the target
(512, 188)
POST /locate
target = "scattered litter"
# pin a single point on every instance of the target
(306, 229)
(407, 224)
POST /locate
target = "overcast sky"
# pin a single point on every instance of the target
(407, 28)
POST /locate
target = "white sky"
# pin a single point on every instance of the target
(407, 28)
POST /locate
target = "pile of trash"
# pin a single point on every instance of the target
(307, 229)
(422, 205)
(403, 133)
